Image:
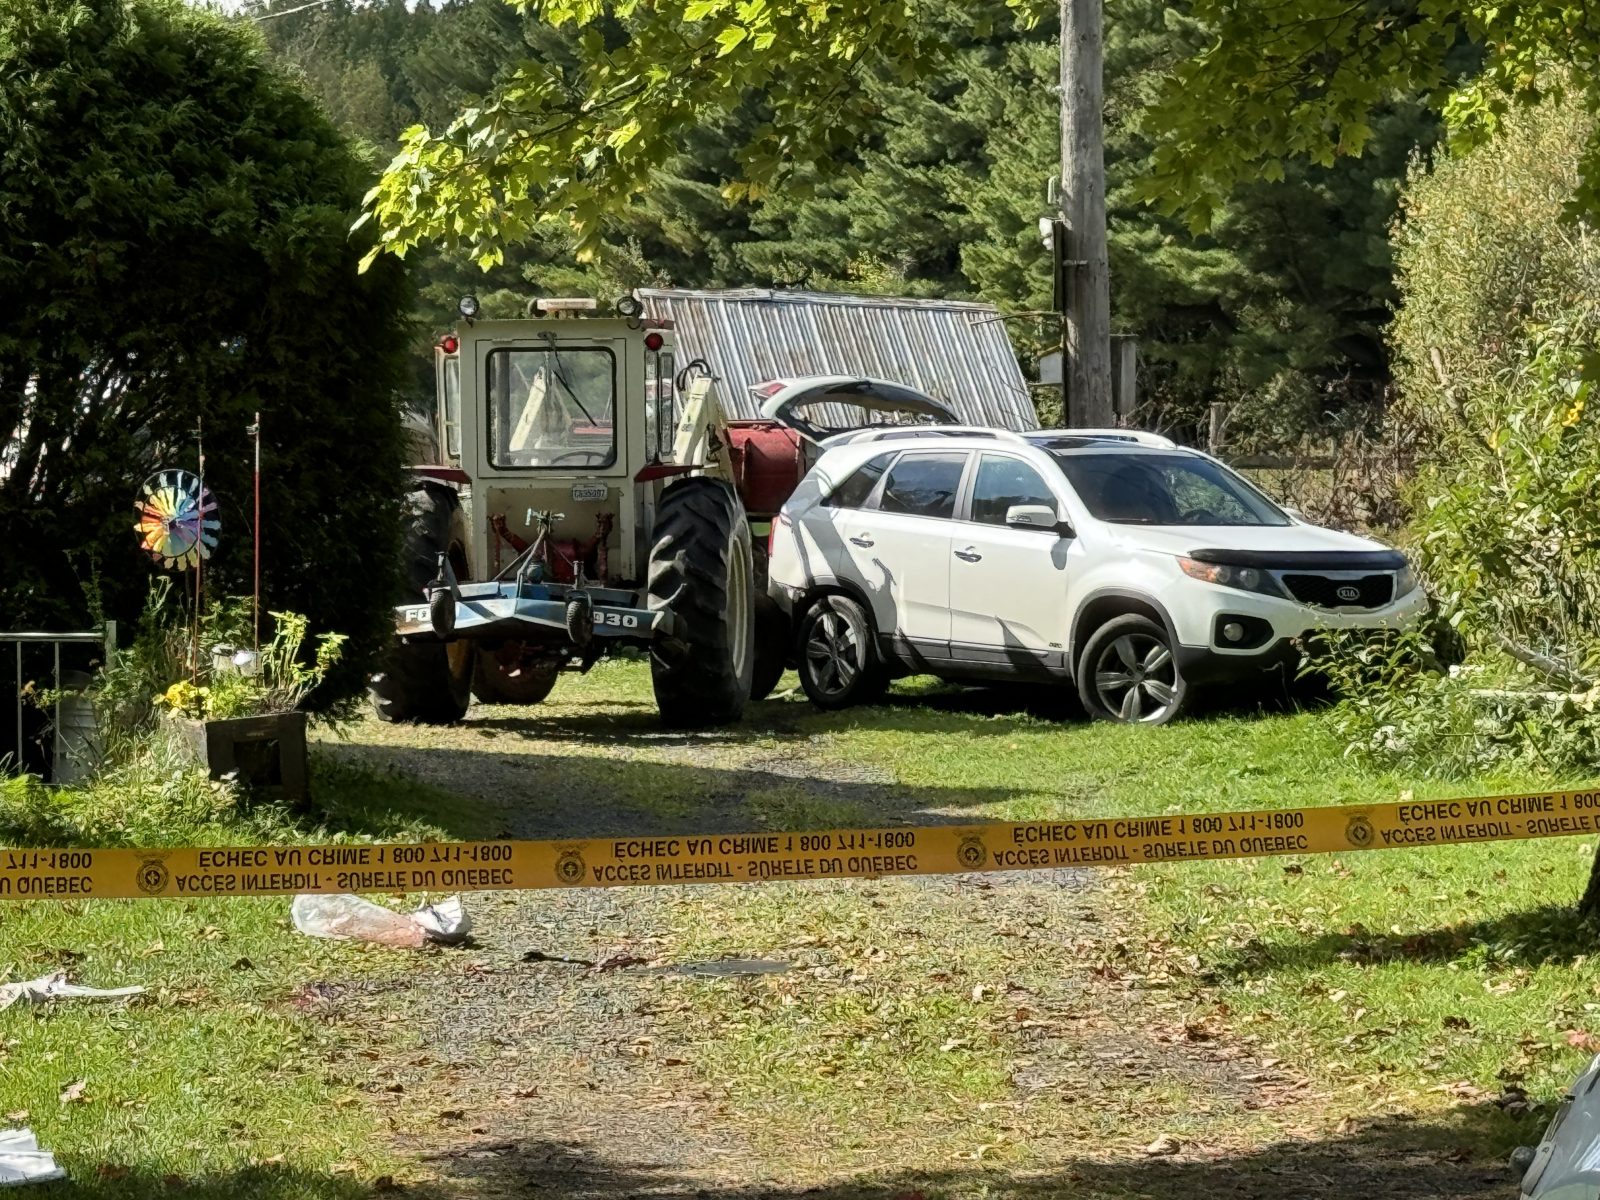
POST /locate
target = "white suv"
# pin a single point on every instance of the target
(1115, 560)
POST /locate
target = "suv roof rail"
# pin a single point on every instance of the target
(1139, 437)
(892, 433)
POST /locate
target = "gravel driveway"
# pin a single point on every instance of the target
(567, 1052)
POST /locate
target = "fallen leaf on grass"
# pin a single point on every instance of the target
(111, 1171)
(978, 1154)
(17, 1116)
(1165, 1144)
(954, 1044)
(1461, 1089)
(452, 1114)
(73, 1093)
(1457, 1023)
(1587, 1042)
(616, 962)
(524, 1093)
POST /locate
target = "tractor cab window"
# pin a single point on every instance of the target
(660, 411)
(552, 406)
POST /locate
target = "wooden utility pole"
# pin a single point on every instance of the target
(1086, 324)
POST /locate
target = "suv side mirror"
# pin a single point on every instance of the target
(1040, 517)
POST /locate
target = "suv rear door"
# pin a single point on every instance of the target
(900, 546)
(1008, 587)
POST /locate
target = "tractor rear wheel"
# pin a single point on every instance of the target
(701, 574)
(430, 682)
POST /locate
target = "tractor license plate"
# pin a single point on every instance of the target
(590, 491)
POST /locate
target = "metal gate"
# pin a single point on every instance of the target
(70, 728)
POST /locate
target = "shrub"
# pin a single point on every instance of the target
(176, 251)
(1496, 343)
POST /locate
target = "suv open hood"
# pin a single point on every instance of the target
(848, 398)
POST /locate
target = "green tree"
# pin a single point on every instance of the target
(176, 252)
(1305, 79)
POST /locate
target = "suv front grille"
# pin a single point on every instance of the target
(1373, 591)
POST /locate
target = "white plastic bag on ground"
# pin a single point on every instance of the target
(445, 921)
(350, 918)
(21, 1160)
(55, 987)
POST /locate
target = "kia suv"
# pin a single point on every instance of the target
(1112, 561)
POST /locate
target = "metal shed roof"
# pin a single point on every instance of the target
(955, 351)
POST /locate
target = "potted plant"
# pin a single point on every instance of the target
(242, 720)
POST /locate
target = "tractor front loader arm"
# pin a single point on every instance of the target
(701, 436)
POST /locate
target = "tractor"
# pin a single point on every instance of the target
(583, 493)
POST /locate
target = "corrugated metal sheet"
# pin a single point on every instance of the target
(955, 351)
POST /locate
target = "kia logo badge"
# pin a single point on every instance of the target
(1349, 594)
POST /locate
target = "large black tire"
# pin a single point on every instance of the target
(530, 685)
(701, 573)
(429, 682)
(1128, 673)
(838, 651)
(772, 647)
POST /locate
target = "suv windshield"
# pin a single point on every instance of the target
(1165, 489)
(551, 407)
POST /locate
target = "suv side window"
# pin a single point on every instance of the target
(1003, 481)
(924, 485)
(853, 492)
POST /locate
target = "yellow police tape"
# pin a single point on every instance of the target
(758, 857)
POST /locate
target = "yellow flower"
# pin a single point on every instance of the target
(1573, 413)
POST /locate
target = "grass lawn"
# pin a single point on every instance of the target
(1397, 981)
(220, 1080)
(1400, 980)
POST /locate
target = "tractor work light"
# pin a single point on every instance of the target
(629, 306)
(468, 308)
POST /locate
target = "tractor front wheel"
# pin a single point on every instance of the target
(516, 683)
(430, 682)
(702, 575)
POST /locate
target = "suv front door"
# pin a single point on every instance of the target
(900, 545)
(1008, 587)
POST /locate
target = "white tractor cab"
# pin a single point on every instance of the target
(589, 494)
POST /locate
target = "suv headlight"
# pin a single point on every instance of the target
(1405, 582)
(1246, 579)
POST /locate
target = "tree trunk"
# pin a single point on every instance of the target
(1087, 340)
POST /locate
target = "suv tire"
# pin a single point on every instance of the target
(430, 682)
(1129, 674)
(839, 661)
(702, 573)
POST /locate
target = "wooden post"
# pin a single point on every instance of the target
(1127, 389)
(1087, 325)
(1217, 424)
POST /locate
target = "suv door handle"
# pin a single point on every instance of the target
(969, 555)
(861, 541)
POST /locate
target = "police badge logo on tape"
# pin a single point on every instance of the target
(972, 853)
(152, 876)
(1359, 832)
(569, 867)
